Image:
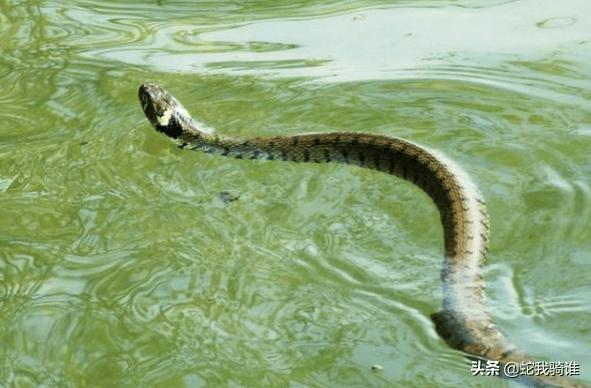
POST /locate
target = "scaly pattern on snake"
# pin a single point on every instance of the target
(463, 321)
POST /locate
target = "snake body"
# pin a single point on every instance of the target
(463, 321)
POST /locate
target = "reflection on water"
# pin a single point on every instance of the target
(120, 265)
(413, 43)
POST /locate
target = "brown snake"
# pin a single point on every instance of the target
(463, 322)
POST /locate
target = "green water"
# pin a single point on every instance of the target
(121, 266)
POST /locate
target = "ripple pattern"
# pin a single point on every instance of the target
(121, 266)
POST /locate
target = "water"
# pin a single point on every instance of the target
(121, 266)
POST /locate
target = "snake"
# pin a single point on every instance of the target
(463, 322)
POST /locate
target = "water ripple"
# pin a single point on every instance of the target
(119, 262)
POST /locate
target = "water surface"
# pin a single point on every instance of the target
(121, 266)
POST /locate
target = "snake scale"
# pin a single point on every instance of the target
(463, 321)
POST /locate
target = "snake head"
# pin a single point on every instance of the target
(165, 112)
